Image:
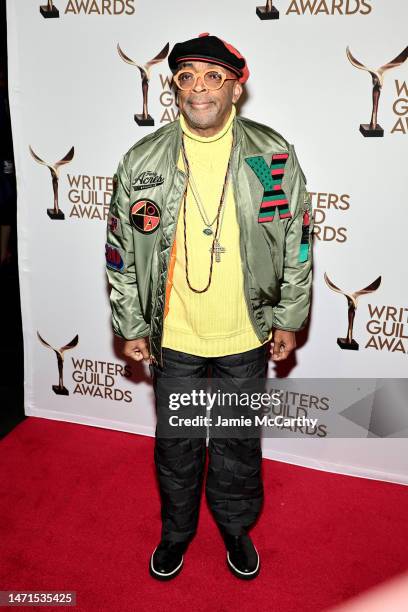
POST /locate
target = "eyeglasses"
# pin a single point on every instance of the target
(213, 79)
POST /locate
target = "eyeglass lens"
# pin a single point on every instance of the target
(212, 79)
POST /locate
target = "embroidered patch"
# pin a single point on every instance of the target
(274, 198)
(114, 225)
(145, 216)
(304, 242)
(115, 258)
(147, 179)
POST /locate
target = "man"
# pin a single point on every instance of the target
(209, 258)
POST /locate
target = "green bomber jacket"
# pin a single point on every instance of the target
(275, 219)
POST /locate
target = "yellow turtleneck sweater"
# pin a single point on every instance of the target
(216, 322)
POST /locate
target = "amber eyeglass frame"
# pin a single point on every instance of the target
(202, 75)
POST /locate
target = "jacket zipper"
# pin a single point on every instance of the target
(241, 248)
(246, 293)
(167, 267)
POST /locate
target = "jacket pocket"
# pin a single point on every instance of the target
(151, 282)
(273, 234)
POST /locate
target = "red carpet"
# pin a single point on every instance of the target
(79, 511)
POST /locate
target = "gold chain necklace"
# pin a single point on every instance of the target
(215, 247)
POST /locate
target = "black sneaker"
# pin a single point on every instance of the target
(167, 560)
(242, 556)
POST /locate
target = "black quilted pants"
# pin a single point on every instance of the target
(234, 488)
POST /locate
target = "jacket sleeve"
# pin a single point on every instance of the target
(127, 318)
(292, 311)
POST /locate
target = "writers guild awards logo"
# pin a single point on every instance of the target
(49, 10)
(89, 7)
(316, 7)
(145, 118)
(349, 343)
(373, 129)
(54, 213)
(60, 389)
(268, 11)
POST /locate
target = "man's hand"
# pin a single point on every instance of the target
(137, 349)
(283, 343)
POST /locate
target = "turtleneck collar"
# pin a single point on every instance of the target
(216, 136)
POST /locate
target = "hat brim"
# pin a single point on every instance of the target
(209, 60)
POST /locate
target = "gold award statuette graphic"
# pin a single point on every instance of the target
(60, 389)
(373, 129)
(145, 118)
(49, 11)
(54, 213)
(268, 11)
(349, 343)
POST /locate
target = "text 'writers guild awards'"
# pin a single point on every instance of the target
(145, 118)
(49, 11)
(373, 129)
(349, 343)
(268, 11)
(60, 389)
(55, 213)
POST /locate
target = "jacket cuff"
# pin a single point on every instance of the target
(292, 329)
(142, 334)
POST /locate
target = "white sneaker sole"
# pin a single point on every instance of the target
(161, 574)
(244, 574)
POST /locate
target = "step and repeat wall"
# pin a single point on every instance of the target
(330, 75)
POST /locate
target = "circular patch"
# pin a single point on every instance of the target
(145, 216)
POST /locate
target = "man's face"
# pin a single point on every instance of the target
(207, 110)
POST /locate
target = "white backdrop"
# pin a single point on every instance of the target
(69, 88)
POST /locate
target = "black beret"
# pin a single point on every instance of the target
(210, 49)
